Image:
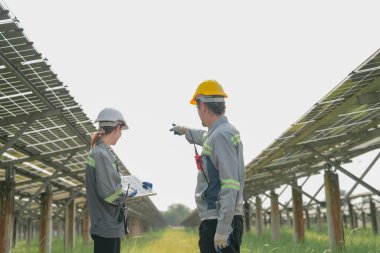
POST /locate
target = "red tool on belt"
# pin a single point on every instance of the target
(198, 158)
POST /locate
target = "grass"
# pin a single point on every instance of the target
(186, 241)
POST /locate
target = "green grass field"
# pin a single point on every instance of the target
(185, 241)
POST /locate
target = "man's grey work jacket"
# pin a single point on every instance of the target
(219, 191)
(103, 190)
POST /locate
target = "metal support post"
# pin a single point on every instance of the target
(247, 216)
(319, 219)
(7, 204)
(15, 225)
(259, 217)
(372, 207)
(364, 219)
(307, 218)
(29, 232)
(275, 217)
(334, 221)
(46, 222)
(86, 226)
(351, 215)
(299, 231)
(70, 226)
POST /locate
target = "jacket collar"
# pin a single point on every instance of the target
(222, 119)
(105, 147)
(102, 145)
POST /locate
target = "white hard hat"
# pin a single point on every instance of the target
(111, 117)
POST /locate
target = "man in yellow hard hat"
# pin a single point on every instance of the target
(220, 181)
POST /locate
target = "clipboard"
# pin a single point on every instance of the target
(130, 183)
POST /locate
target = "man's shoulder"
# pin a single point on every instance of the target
(224, 131)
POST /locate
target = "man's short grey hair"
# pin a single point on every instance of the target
(217, 108)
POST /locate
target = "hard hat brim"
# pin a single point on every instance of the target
(193, 101)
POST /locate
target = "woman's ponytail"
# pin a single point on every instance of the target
(96, 136)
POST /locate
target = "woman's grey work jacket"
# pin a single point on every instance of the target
(104, 192)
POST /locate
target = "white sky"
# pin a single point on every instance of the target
(275, 59)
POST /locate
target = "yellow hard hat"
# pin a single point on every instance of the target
(208, 88)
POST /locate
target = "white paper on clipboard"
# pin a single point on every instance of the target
(134, 183)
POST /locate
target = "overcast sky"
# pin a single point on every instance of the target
(275, 59)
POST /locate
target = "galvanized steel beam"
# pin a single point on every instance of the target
(344, 171)
(348, 194)
(42, 157)
(14, 139)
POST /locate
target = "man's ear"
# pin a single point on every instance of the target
(203, 107)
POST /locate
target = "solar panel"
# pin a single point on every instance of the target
(341, 125)
(44, 132)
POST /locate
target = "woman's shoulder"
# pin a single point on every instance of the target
(97, 152)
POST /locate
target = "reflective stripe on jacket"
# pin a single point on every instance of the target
(103, 191)
(219, 193)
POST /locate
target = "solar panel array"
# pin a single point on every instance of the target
(342, 125)
(44, 132)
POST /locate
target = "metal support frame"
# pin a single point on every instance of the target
(48, 163)
(74, 194)
(315, 195)
(299, 189)
(14, 139)
(278, 202)
(348, 194)
(50, 178)
(43, 156)
(46, 183)
(344, 171)
(335, 140)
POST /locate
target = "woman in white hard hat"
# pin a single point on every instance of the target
(105, 196)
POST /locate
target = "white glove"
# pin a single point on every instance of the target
(179, 130)
(221, 241)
